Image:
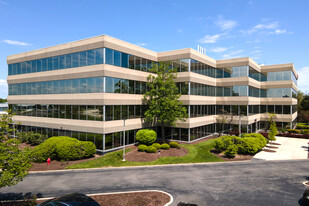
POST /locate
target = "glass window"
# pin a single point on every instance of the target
(82, 58)
(50, 64)
(98, 56)
(90, 57)
(125, 60)
(82, 86)
(278, 109)
(55, 63)
(83, 112)
(109, 84)
(117, 56)
(68, 61)
(75, 60)
(75, 112)
(109, 56)
(33, 66)
(62, 62)
(98, 84)
(117, 85)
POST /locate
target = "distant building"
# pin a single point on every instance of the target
(3, 108)
(86, 88)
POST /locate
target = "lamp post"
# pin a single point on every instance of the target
(124, 141)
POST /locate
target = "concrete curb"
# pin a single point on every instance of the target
(144, 166)
(166, 165)
(112, 193)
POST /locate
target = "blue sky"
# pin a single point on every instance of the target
(270, 32)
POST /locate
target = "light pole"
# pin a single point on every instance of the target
(124, 141)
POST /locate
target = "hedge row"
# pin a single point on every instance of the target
(63, 148)
(155, 146)
(247, 144)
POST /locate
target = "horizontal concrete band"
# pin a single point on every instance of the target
(134, 99)
(119, 45)
(106, 127)
(123, 73)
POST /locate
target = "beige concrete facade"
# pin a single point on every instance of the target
(104, 70)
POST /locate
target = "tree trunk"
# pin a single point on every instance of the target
(163, 131)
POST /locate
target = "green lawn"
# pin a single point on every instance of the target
(197, 153)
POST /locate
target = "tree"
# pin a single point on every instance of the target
(300, 98)
(273, 131)
(224, 118)
(3, 100)
(14, 162)
(162, 98)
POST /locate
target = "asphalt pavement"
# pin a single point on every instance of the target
(232, 183)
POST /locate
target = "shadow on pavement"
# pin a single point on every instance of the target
(18, 196)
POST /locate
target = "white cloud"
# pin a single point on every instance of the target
(3, 83)
(224, 24)
(142, 44)
(279, 31)
(233, 54)
(16, 42)
(218, 49)
(3, 88)
(256, 51)
(260, 27)
(210, 39)
(303, 83)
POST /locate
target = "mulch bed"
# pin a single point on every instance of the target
(135, 156)
(128, 199)
(121, 199)
(57, 165)
(237, 157)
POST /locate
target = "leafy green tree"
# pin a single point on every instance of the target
(300, 98)
(14, 162)
(273, 131)
(162, 97)
(3, 100)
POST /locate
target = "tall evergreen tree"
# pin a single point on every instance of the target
(162, 97)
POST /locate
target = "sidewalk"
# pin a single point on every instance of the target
(290, 149)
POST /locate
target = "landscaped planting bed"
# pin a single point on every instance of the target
(151, 198)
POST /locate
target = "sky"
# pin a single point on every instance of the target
(270, 32)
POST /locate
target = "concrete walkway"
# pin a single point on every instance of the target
(290, 149)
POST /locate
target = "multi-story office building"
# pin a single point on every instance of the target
(86, 88)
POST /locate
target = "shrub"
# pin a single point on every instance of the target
(165, 146)
(68, 150)
(231, 150)
(31, 137)
(88, 149)
(146, 136)
(142, 148)
(151, 149)
(250, 145)
(273, 131)
(302, 126)
(305, 131)
(294, 131)
(173, 144)
(62, 148)
(156, 145)
(260, 139)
